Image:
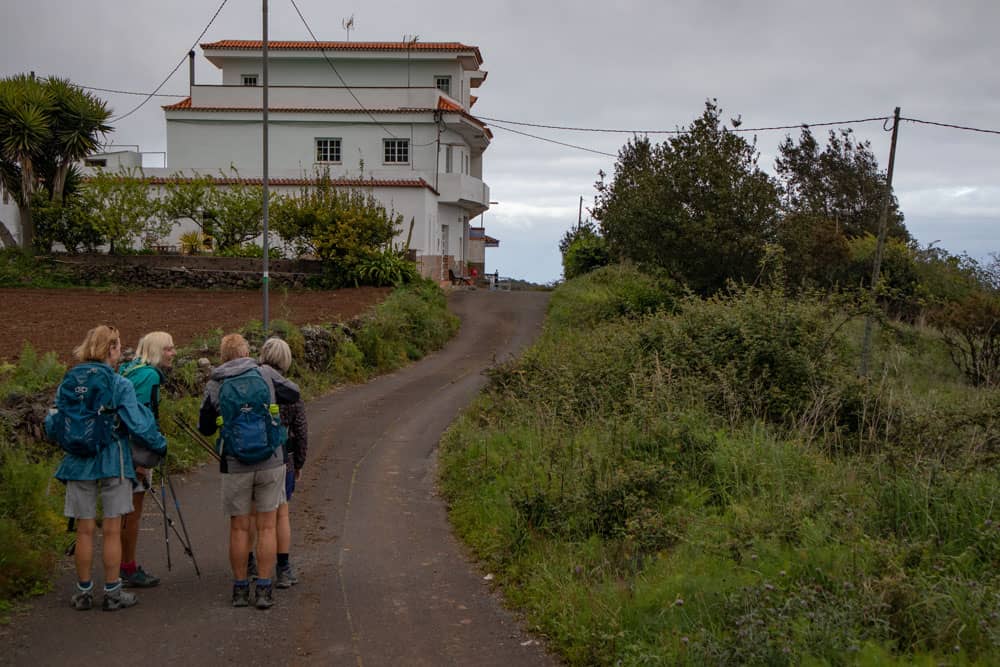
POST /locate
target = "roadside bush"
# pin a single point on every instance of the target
(31, 525)
(585, 253)
(755, 352)
(611, 292)
(411, 322)
(971, 330)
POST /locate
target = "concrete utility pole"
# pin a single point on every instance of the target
(883, 224)
(267, 279)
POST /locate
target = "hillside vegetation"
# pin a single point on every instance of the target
(674, 479)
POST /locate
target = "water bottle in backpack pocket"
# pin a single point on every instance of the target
(251, 430)
(85, 417)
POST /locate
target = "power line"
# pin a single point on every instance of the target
(552, 141)
(330, 63)
(174, 70)
(127, 92)
(955, 127)
(735, 129)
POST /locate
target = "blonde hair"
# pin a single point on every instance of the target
(151, 346)
(276, 354)
(232, 347)
(97, 345)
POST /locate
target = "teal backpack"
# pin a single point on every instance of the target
(251, 427)
(85, 413)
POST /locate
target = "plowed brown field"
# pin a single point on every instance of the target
(57, 320)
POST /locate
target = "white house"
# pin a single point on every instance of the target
(390, 116)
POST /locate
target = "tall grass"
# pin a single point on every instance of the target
(708, 482)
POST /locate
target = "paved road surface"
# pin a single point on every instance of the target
(383, 581)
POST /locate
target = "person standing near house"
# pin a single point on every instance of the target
(95, 413)
(240, 402)
(154, 354)
(275, 360)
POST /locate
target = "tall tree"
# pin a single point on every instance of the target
(45, 126)
(841, 183)
(697, 206)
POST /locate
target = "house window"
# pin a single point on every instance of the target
(327, 150)
(249, 79)
(448, 159)
(443, 83)
(95, 162)
(397, 151)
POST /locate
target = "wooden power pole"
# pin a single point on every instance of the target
(883, 224)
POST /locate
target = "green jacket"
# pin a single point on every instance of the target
(146, 379)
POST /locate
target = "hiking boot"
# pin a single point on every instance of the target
(264, 597)
(82, 600)
(139, 579)
(241, 596)
(285, 577)
(119, 599)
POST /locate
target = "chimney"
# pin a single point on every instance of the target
(190, 72)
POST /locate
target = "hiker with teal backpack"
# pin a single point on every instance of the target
(275, 360)
(154, 354)
(240, 403)
(95, 413)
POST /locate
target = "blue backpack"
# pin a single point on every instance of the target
(85, 416)
(251, 428)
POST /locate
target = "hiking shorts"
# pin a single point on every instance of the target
(263, 490)
(81, 497)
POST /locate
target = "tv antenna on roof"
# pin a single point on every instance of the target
(348, 24)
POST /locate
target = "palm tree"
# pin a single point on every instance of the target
(79, 122)
(26, 107)
(45, 126)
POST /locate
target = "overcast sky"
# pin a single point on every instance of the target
(629, 64)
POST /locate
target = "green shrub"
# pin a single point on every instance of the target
(31, 524)
(411, 322)
(19, 269)
(385, 268)
(608, 293)
(30, 373)
(585, 254)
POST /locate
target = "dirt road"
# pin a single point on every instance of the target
(383, 581)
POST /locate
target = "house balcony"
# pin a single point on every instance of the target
(314, 97)
(466, 191)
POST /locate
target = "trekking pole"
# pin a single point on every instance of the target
(187, 538)
(166, 519)
(198, 438)
(180, 538)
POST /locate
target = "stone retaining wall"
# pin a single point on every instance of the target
(167, 271)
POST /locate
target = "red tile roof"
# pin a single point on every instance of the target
(448, 105)
(257, 45)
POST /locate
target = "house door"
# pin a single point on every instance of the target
(444, 251)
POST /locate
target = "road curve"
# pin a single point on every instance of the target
(383, 581)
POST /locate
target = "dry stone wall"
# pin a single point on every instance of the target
(166, 271)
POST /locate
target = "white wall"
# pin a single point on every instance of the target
(316, 72)
(221, 139)
(10, 214)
